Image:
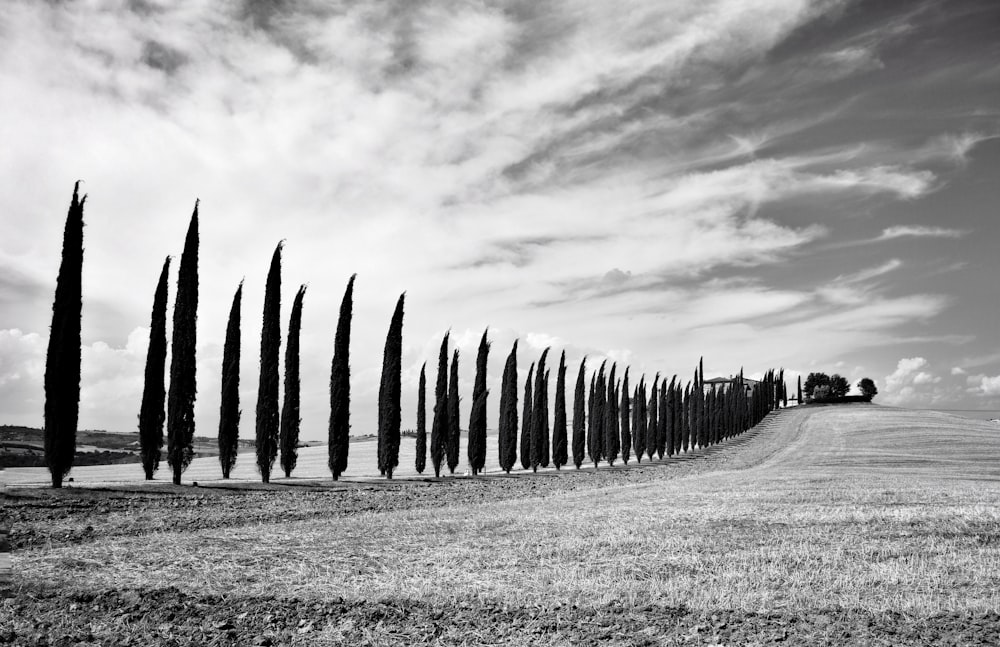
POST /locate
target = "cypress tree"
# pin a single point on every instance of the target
(389, 393)
(559, 448)
(799, 398)
(600, 402)
(439, 426)
(229, 406)
(290, 406)
(546, 453)
(339, 438)
(62, 359)
(671, 413)
(579, 420)
(183, 384)
(507, 440)
(539, 416)
(592, 448)
(652, 411)
(154, 395)
(639, 420)
(454, 419)
(625, 412)
(611, 438)
(267, 389)
(421, 460)
(477, 419)
(526, 428)
(686, 418)
(662, 421)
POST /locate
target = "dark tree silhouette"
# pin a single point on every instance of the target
(867, 388)
(539, 416)
(267, 390)
(507, 440)
(154, 394)
(477, 418)
(439, 425)
(600, 402)
(183, 367)
(421, 459)
(662, 421)
(625, 412)
(559, 449)
(579, 419)
(62, 359)
(339, 438)
(592, 446)
(454, 416)
(229, 406)
(290, 420)
(640, 425)
(526, 422)
(814, 380)
(652, 411)
(611, 439)
(390, 392)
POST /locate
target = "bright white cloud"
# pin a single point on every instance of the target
(916, 231)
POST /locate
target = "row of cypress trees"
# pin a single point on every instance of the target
(609, 425)
(658, 420)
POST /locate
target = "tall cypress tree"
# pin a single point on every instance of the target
(626, 414)
(183, 384)
(539, 416)
(62, 359)
(477, 418)
(439, 426)
(559, 449)
(267, 389)
(600, 401)
(592, 447)
(662, 421)
(154, 395)
(339, 438)
(611, 439)
(671, 413)
(546, 431)
(652, 411)
(390, 392)
(799, 395)
(507, 440)
(526, 428)
(229, 405)
(454, 416)
(290, 420)
(579, 420)
(421, 460)
(639, 426)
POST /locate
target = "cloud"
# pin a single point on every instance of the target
(917, 231)
(989, 386)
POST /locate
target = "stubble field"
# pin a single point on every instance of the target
(852, 525)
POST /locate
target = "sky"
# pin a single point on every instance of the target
(807, 184)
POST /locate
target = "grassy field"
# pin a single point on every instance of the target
(830, 525)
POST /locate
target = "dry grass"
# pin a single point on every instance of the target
(844, 515)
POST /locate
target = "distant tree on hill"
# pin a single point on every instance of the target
(507, 439)
(477, 417)
(267, 391)
(559, 448)
(290, 420)
(641, 425)
(540, 417)
(652, 411)
(814, 380)
(390, 393)
(839, 386)
(63, 357)
(229, 403)
(151, 412)
(421, 458)
(439, 425)
(340, 387)
(183, 367)
(799, 395)
(867, 388)
(579, 415)
(612, 440)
